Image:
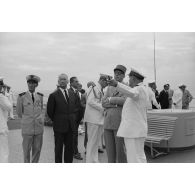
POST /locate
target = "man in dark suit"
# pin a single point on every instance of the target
(74, 85)
(61, 110)
(164, 97)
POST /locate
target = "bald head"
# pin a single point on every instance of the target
(63, 81)
(63, 76)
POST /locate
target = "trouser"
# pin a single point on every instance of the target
(75, 135)
(63, 141)
(94, 132)
(186, 107)
(170, 103)
(34, 143)
(115, 147)
(101, 143)
(11, 113)
(86, 137)
(135, 150)
(75, 140)
(4, 148)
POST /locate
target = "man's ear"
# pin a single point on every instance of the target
(37, 84)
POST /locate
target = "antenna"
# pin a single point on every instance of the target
(154, 57)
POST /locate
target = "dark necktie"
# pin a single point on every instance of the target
(66, 95)
(33, 99)
(77, 94)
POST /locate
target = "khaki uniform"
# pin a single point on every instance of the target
(32, 124)
(186, 99)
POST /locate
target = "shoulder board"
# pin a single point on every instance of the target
(21, 94)
(40, 94)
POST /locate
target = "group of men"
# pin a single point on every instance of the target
(168, 98)
(119, 112)
(110, 108)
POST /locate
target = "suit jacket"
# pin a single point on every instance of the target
(32, 122)
(78, 109)
(177, 98)
(164, 99)
(112, 115)
(134, 118)
(62, 114)
(94, 110)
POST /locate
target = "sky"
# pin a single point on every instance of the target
(86, 55)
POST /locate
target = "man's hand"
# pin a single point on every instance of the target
(91, 83)
(159, 107)
(112, 82)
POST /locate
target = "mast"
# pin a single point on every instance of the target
(154, 57)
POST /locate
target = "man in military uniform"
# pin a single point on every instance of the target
(29, 108)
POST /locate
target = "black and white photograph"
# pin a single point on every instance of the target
(97, 97)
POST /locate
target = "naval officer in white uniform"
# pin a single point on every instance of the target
(133, 125)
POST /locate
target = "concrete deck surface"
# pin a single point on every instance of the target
(47, 153)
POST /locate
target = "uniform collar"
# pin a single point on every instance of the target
(32, 93)
(75, 90)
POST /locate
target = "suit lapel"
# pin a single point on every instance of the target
(62, 96)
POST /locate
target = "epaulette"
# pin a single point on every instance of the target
(40, 94)
(21, 94)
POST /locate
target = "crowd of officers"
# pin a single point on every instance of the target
(110, 109)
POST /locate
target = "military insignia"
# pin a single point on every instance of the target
(38, 103)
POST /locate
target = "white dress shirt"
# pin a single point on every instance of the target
(62, 90)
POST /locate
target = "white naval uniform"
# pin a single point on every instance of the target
(133, 125)
(5, 107)
(177, 99)
(95, 119)
(152, 99)
(10, 97)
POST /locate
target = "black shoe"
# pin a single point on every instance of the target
(100, 150)
(78, 156)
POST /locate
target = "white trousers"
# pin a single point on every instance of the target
(135, 150)
(4, 149)
(94, 133)
(11, 113)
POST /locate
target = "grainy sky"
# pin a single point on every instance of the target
(85, 55)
